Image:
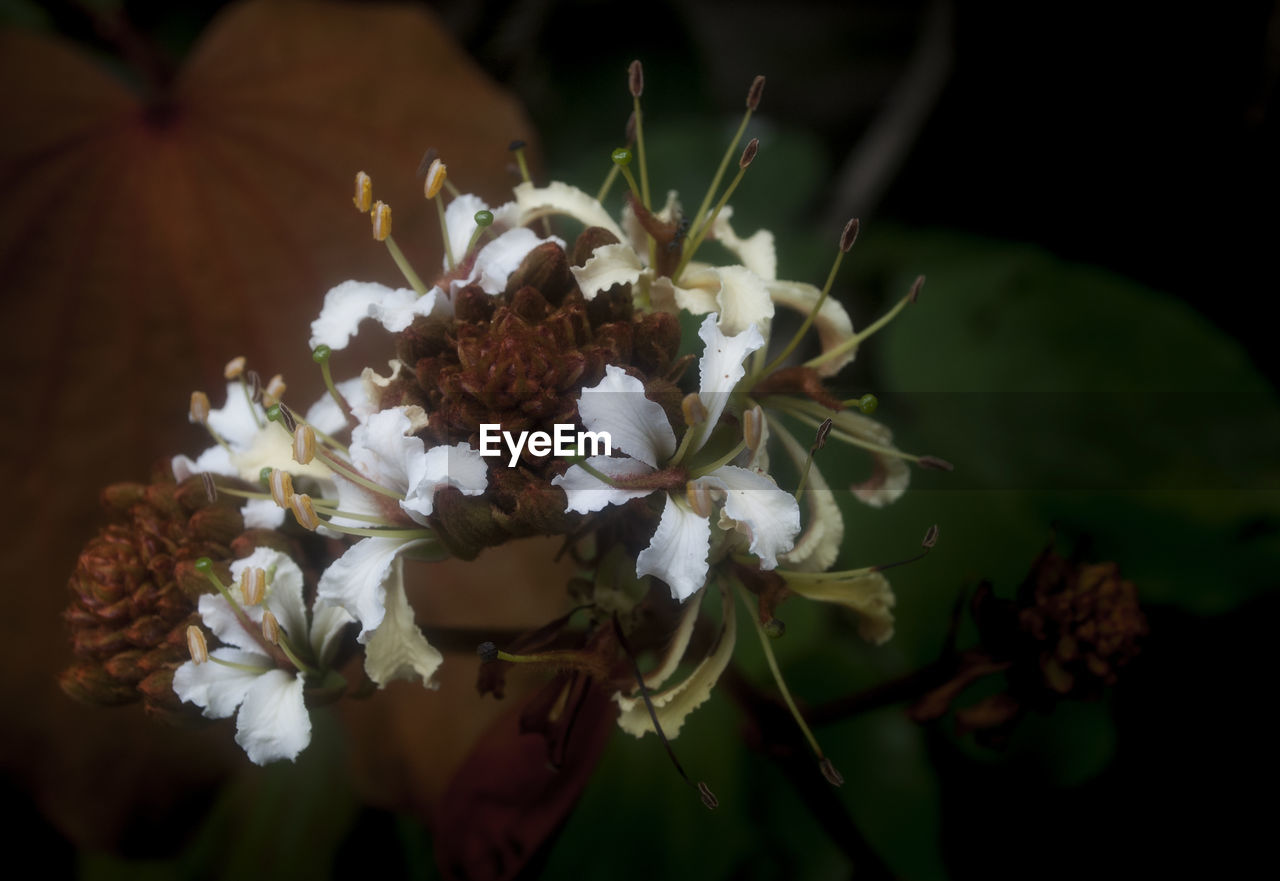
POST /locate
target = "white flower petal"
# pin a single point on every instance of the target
(675, 704)
(262, 514)
(608, 265)
(325, 415)
(382, 448)
(636, 425)
(499, 258)
(459, 466)
(586, 494)
(743, 301)
(398, 312)
(720, 368)
(753, 503)
(216, 614)
(870, 596)
(346, 305)
(818, 546)
(284, 590)
(560, 198)
(273, 723)
(696, 294)
(356, 580)
(832, 322)
(678, 552)
(327, 623)
(236, 421)
(757, 253)
(460, 218)
(215, 687)
(215, 460)
(397, 649)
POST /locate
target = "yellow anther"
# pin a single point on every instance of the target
(699, 497)
(270, 627)
(274, 391)
(381, 217)
(253, 585)
(435, 179)
(303, 511)
(695, 412)
(363, 198)
(234, 368)
(199, 411)
(196, 645)
(304, 444)
(753, 427)
(281, 484)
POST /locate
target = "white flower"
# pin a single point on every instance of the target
(752, 502)
(272, 722)
(366, 580)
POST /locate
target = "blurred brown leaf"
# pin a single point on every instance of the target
(143, 244)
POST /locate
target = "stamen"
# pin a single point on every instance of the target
(754, 93)
(635, 82)
(699, 497)
(274, 391)
(819, 441)
(695, 412)
(435, 179)
(748, 156)
(935, 464)
(728, 457)
(304, 512)
(281, 484)
(196, 645)
(253, 585)
(204, 566)
(270, 627)
(380, 216)
(853, 341)
(517, 147)
(234, 368)
(753, 427)
(198, 412)
(621, 159)
(807, 412)
(484, 219)
(867, 404)
(254, 384)
(363, 199)
(612, 176)
(210, 488)
(304, 445)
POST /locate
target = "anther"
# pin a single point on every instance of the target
(774, 628)
(253, 585)
(274, 391)
(487, 651)
(695, 412)
(699, 497)
(234, 368)
(303, 511)
(210, 488)
(708, 797)
(935, 464)
(930, 537)
(635, 78)
(199, 409)
(304, 444)
(435, 179)
(914, 294)
(196, 644)
(849, 235)
(516, 145)
(254, 382)
(755, 93)
(381, 217)
(834, 777)
(753, 427)
(270, 627)
(820, 440)
(749, 152)
(281, 487)
(629, 130)
(363, 198)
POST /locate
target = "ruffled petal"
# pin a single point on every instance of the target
(890, 474)
(585, 493)
(818, 546)
(397, 649)
(356, 580)
(398, 312)
(325, 415)
(273, 723)
(636, 425)
(459, 466)
(675, 704)
(678, 552)
(236, 421)
(720, 368)
(382, 448)
(499, 258)
(696, 294)
(756, 507)
(870, 596)
(832, 322)
(215, 460)
(215, 687)
(560, 198)
(743, 301)
(608, 265)
(346, 305)
(757, 252)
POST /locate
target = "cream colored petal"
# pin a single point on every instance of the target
(560, 198)
(696, 295)
(870, 596)
(397, 649)
(754, 505)
(608, 265)
(743, 301)
(819, 544)
(891, 474)
(757, 253)
(832, 323)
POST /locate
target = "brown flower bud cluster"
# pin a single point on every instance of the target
(134, 591)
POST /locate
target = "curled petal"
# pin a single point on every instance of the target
(720, 368)
(832, 322)
(678, 552)
(459, 466)
(499, 258)
(675, 704)
(753, 503)
(636, 233)
(351, 302)
(819, 545)
(586, 493)
(757, 252)
(356, 580)
(397, 649)
(608, 265)
(460, 218)
(327, 623)
(273, 723)
(696, 293)
(217, 688)
(382, 447)
(891, 474)
(636, 425)
(870, 596)
(743, 301)
(560, 198)
(397, 313)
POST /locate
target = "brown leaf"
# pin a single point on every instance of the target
(141, 247)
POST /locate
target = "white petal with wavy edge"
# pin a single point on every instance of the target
(678, 551)
(459, 466)
(699, 285)
(397, 649)
(382, 448)
(586, 493)
(215, 687)
(756, 507)
(273, 723)
(608, 265)
(720, 367)
(262, 514)
(460, 218)
(325, 415)
(818, 546)
(499, 258)
(560, 198)
(870, 596)
(743, 301)
(349, 303)
(356, 580)
(636, 425)
(832, 322)
(327, 623)
(756, 252)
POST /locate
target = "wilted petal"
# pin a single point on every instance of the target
(397, 649)
(346, 305)
(832, 322)
(586, 493)
(675, 704)
(743, 301)
(459, 466)
(560, 198)
(273, 723)
(756, 507)
(870, 596)
(720, 368)
(678, 552)
(636, 425)
(757, 253)
(356, 580)
(217, 688)
(608, 265)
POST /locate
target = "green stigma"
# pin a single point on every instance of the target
(265, 474)
(321, 354)
(483, 217)
(273, 413)
(204, 565)
(868, 403)
(621, 156)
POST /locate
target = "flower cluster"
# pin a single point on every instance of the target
(526, 331)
